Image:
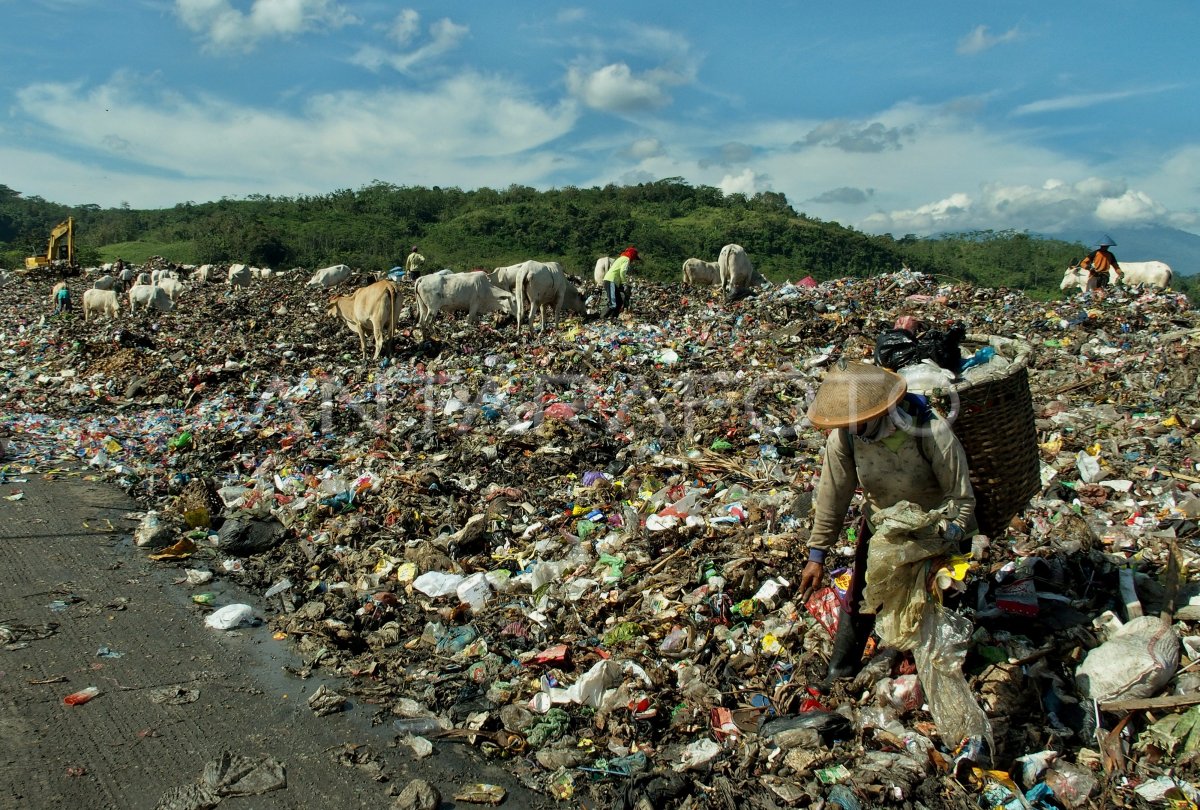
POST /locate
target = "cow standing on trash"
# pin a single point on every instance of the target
(370, 309)
(902, 454)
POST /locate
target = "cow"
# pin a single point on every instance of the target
(100, 301)
(143, 279)
(472, 293)
(699, 273)
(506, 277)
(1153, 274)
(602, 265)
(104, 283)
(369, 309)
(158, 275)
(238, 276)
(204, 274)
(736, 272)
(148, 297)
(328, 276)
(172, 287)
(541, 285)
(128, 274)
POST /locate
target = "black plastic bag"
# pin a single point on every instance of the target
(897, 348)
(243, 536)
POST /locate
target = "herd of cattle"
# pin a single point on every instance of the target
(519, 290)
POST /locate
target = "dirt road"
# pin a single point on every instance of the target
(75, 587)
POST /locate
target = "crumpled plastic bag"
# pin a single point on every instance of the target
(905, 540)
(1137, 661)
(230, 617)
(900, 556)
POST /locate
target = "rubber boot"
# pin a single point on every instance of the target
(848, 645)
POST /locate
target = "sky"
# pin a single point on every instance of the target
(889, 117)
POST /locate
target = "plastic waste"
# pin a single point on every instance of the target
(417, 726)
(1136, 661)
(230, 617)
(82, 696)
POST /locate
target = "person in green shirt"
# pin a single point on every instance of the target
(615, 282)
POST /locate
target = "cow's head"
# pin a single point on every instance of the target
(507, 304)
(331, 309)
(1075, 276)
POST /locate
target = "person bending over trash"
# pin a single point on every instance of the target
(919, 508)
(1099, 262)
(615, 286)
(896, 448)
(62, 299)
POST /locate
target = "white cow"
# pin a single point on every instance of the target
(602, 265)
(172, 287)
(700, 273)
(541, 285)
(104, 283)
(736, 271)
(148, 297)
(506, 277)
(469, 292)
(129, 274)
(204, 274)
(1153, 274)
(238, 276)
(369, 309)
(100, 301)
(328, 276)
(158, 275)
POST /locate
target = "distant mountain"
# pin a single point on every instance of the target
(1177, 248)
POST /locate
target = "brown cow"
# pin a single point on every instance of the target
(372, 308)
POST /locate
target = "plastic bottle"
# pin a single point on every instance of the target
(416, 726)
(82, 696)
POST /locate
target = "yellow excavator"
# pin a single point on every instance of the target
(60, 249)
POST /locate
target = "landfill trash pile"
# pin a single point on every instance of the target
(578, 551)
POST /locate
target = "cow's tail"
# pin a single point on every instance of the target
(1170, 277)
(393, 303)
(520, 292)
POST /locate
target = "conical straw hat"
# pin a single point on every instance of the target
(853, 393)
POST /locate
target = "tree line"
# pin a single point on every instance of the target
(373, 228)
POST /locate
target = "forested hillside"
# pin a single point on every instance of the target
(669, 220)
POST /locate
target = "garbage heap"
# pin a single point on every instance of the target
(584, 544)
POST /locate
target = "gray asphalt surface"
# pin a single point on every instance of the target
(73, 583)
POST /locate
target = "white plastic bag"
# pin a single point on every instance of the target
(230, 617)
(437, 583)
(1137, 661)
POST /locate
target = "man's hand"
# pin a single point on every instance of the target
(810, 579)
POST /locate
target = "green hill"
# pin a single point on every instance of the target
(669, 221)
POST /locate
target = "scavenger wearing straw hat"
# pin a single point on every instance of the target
(854, 393)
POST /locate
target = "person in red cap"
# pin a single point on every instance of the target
(615, 286)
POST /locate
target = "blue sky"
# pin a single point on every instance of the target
(890, 117)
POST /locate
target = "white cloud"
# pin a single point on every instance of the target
(1079, 101)
(615, 88)
(225, 28)
(744, 182)
(405, 26)
(1131, 207)
(980, 40)
(487, 132)
(444, 36)
(644, 148)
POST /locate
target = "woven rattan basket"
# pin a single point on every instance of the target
(993, 419)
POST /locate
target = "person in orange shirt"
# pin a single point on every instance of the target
(1099, 262)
